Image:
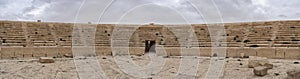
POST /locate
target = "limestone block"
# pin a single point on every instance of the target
(266, 52)
(39, 52)
(136, 50)
(51, 52)
(293, 74)
(27, 52)
(190, 51)
(6, 55)
(248, 51)
(292, 53)
(279, 53)
(174, 51)
(205, 52)
(64, 50)
(161, 52)
(260, 71)
(68, 55)
(46, 60)
(19, 54)
(231, 52)
(103, 51)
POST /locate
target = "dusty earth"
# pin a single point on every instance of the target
(64, 68)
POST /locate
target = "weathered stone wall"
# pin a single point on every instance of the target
(35, 52)
(276, 39)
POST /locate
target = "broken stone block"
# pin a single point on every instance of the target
(68, 55)
(46, 60)
(293, 74)
(269, 66)
(260, 71)
(259, 61)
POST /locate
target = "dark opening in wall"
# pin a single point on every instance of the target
(269, 40)
(286, 43)
(295, 40)
(156, 33)
(254, 46)
(149, 46)
(246, 41)
(4, 41)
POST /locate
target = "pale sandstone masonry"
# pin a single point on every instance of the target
(274, 39)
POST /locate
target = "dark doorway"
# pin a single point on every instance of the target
(149, 46)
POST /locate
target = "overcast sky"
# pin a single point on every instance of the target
(143, 11)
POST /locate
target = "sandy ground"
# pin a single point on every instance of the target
(65, 68)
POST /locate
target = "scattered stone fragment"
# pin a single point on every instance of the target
(46, 60)
(293, 74)
(269, 66)
(260, 71)
(68, 55)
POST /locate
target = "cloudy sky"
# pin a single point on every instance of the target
(145, 11)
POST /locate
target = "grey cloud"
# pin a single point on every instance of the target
(66, 10)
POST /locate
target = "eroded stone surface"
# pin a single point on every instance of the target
(294, 74)
(260, 70)
(65, 69)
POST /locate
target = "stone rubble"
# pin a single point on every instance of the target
(260, 71)
(46, 60)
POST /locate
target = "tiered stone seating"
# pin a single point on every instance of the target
(56, 39)
(103, 35)
(169, 39)
(287, 36)
(122, 35)
(40, 34)
(202, 33)
(63, 33)
(260, 36)
(11, 34)
(235, 35)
